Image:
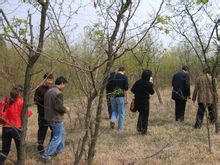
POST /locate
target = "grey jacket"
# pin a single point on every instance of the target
(53, 105)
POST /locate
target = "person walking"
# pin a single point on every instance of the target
(39, 101)
(54, 114)
(203, 93)
(11, 129)
(181, 92)
(119, 98)
(109, 91)
(142, 90)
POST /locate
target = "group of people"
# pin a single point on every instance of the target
(117, 87)
(116, 92)
(203, 93)
(51, 110)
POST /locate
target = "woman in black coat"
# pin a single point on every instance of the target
(142, 89)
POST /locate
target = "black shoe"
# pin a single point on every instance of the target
(112, 125)
(144, 132)
(197, 127)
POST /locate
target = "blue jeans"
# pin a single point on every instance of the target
(118, 109)
(56, 143)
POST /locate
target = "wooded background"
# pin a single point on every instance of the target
(116, 39)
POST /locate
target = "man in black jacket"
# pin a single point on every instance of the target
(181, 92)
(39, 101)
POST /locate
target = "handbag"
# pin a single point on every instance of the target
(132, 106)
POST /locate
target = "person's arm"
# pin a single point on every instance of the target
(126, 97)
(133, 88)
(187, 85)
(151, 89)
(38, 99)
(125, 90)
(59, 107)
(196, 88)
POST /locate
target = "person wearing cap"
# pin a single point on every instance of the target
(119, 98)
(54, 114)
(39, 101)
(203, 93)
(12, 107)
(181, 92)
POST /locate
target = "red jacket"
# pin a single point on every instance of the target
(13, 113)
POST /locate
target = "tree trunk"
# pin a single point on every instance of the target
(33, 57)
(94, 138)
(208, 129)
(26, 93)
(81, 147)
(158, 94)
(216, 102)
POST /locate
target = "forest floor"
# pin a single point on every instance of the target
(167, 142)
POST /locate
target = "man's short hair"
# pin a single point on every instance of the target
(60, 80)
(185, 68)
(48, 76)
(121, 69)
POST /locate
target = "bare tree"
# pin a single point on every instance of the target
(148, 55)
(33, 53)
(108, 42)
(195, 24)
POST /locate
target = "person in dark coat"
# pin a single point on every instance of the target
(109, 91)
(181, 92)
(39, 101)
(142, 90)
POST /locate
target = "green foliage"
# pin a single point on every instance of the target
(96, 31)
(19, 26)
(164, 20)
(198, 2)
(161, 19)
(11, 69)
(117, 92)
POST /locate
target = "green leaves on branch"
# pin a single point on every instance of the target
(164, 20)
(95, 31)
(116, 92)
(19, 26)
(198, 2)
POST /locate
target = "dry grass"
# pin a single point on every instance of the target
(167, 141)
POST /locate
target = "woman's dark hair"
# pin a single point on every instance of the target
(146, 74)
(16, 90)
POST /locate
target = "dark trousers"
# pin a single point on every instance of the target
(200, 114)
(43, 126)
(7, 135)
(180, 106)
(142, 122)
